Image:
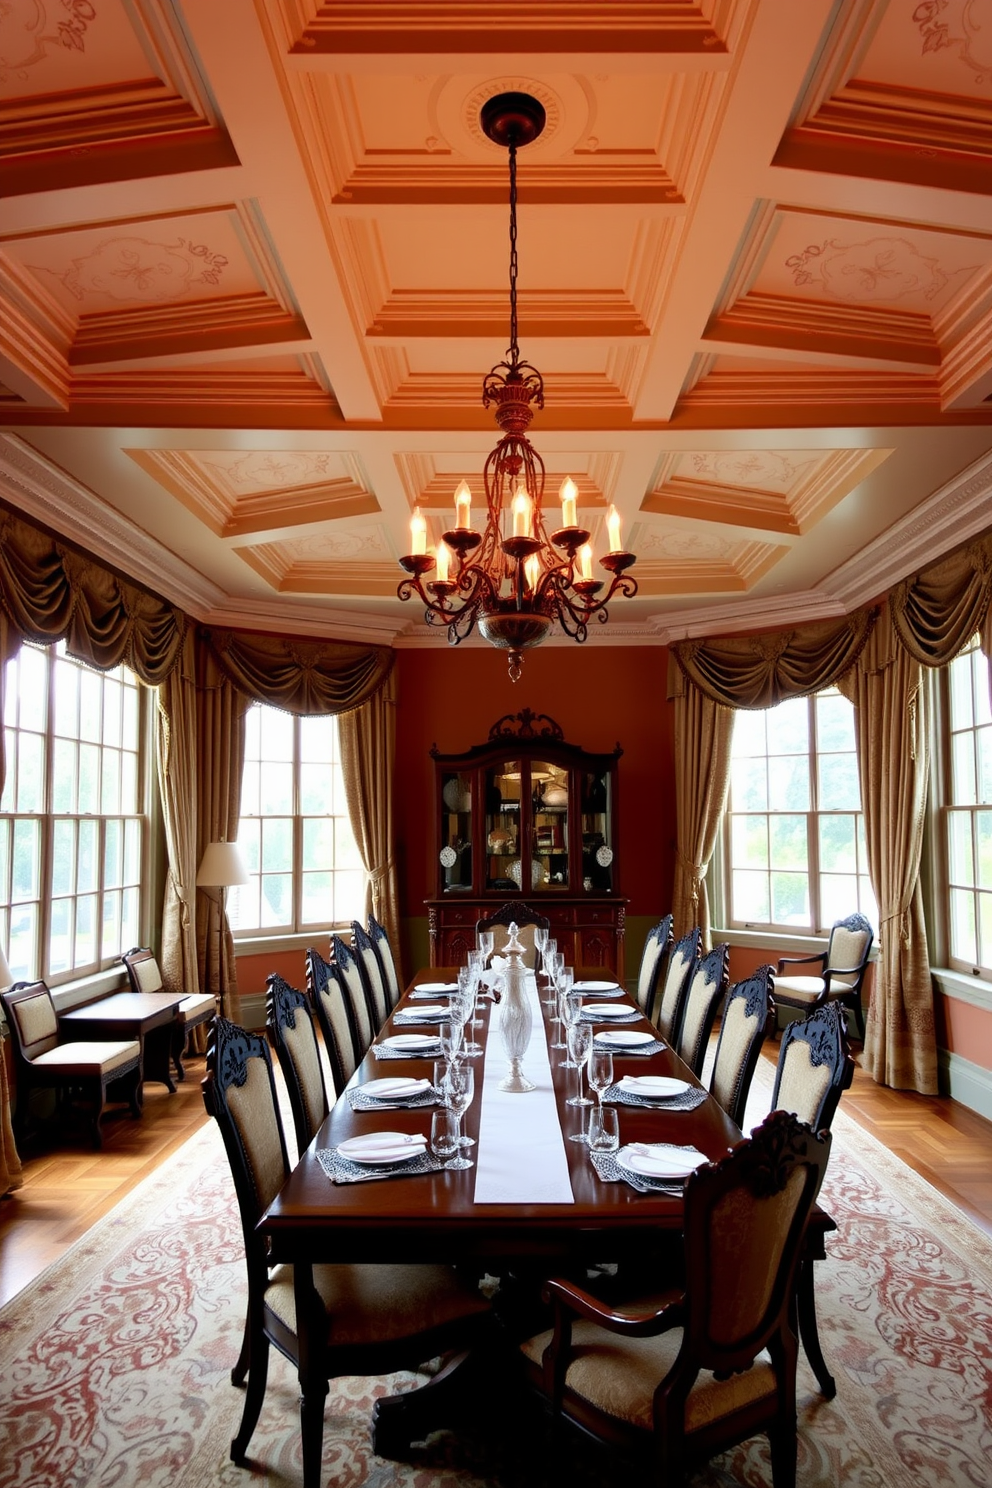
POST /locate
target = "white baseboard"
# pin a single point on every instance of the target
(965, 1082)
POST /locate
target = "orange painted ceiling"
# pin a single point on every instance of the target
(253, 264)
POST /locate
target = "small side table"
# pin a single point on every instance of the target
(149, 1017)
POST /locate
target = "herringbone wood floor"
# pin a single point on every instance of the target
(68, 1187)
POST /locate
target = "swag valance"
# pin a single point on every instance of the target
(298, 675)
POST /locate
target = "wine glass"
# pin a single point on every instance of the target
(462, 1009)
(570, 1009)
(444, 1137)
(600, 1071)
(485, 939)
(548, 953)
(450, 1038)
(604, 1129)
(459, 1088)
(579, 1044)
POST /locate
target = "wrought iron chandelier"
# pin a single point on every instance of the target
(512, 580)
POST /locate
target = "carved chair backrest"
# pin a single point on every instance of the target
(707, 990)
(290, 1023)
(143, 970)
(748, 1014)
(31, 1018)
(331, 1003)
(368, 960)
(814, 1066)
(387, 961)
(848, 950)
(656, 949)
(527, 921)
(353, 984)
(681, 963)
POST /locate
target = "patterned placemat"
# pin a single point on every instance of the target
(359, 1101)
(420, 994)
(610, 1171)
(341, 1170)
(687, 1101)
(429, 1051)
(424, 1019)
(634, 1016)
(639, 1051)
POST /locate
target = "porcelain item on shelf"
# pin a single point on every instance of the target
(457, 796)
(555, 795)
(538, 873)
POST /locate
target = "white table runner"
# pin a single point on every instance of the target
(521, 1151)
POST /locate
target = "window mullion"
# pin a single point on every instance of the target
(297, 827)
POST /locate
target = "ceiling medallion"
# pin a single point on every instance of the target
(512, 580)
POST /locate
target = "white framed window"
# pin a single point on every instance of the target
(794, 830)
(73, 818)
(968, 812)
(305, 871)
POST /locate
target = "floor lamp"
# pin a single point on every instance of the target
(221, 867)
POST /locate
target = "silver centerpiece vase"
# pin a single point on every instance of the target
(515, 1016)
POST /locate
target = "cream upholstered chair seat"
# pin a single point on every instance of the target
(374, 1319)
(97, 1070)
(748, 1014)
(842, 968)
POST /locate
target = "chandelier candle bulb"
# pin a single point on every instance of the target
(568, 494)
(521, 515)
(585, 561)
(442, 558)
(613, 528)
(463, 505)
(532, 569)
(418, 534)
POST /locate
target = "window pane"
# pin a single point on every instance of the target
(89, 779)
(749, 841)
(249, 841)
(983, 836)
(87, 857)
(90, 706)
(749, 733)
(963, 925)
(346, 854)
(110, 944)
(751, 901)
(838, 850)
(131, 702)
(59, 940)
(790, 899)
(276, 734)
(250, 801)
(63, 857)
(8, 801)
(788, 727)
(961, 860)
(85, 948)
(64, 774)
(788, 847)
(838, 897)
(66, 699)
(963, 770)
(318, 902)
(31, 773)
(277, 899)
(23, 957)
(111, 712)
(834, 723)
(130, 918)
(129, 782)
(961, 699)
(32, 688)
(132, 852)
(316, 788)
(749, 785)
(985, 930)
(26, 877)
(788, 784)
(840, 789)
(113, 854)
(110, 786)
(349, 897)
(276, 788)
(318, 843)
(318, 739)
(984, 742)
(277, 844)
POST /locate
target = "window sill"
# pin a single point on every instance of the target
(963, 988)
(274, 944)
(776, 940)
(101, 984)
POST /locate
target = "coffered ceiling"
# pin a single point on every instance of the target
(253, 264)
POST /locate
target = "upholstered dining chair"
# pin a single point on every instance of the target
(329, 1000)
(841, 975)
(674, 1381)
(197, 1008)
(747, 1019)
(814, 1068)
(96, 1072)
(353, 983)
(678, 973)
(653, 960)
(290, 1023)
(707, 990)
(371, 969)
(526, 919)
(387, 962)
(371, 1319)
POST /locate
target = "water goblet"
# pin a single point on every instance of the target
(462, 1007)
(444, 1137)
(485, 940)
(604, 1129)
(600, 1071)
(570, 1006)
(450, 1038)
(459, 1088)
(579, 1044)
(548, 953)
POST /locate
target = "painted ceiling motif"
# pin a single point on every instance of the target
(254, 264)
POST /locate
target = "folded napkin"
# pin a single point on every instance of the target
(430, 1010)
(401, 1085)
(662, 1160)
(383, 1145)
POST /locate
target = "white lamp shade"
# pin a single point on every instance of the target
(221, 867)
(5, 974)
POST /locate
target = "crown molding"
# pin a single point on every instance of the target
(41, 490)
(304, 620)
(779, 610)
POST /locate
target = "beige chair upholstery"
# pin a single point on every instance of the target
(840, 978)
(354, 986)
(373, 1319)
(325, 988)
(654, 958)
(681, 963)
(387, 962)
(527, 920)
(707, 990)
(93, 1072)
(748, 1015)
(672, 1384)
(371, 969)
(199, 1007)
(290, 1024)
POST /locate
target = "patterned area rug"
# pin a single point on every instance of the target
(116, 1361)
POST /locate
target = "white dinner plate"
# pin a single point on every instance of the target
(395, 1088)
(437, 987)
(660, 1161)
(599, 987)
(409, 1042)
(624, 1038)
(430, 1010)
(606, 1010)
(381, 1149)
(654, 1087)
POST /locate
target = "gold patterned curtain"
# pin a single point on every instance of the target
(703, 735)
(761, 671)
(301, 676)
(177, 760)
(893, 759)
(368, 754)
(10, 1164)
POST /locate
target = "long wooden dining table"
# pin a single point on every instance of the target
(434, 1217)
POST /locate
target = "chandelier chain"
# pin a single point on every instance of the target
(514, 348)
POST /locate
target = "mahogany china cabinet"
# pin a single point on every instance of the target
(527, 816)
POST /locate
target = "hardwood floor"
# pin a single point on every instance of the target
(68, 1187)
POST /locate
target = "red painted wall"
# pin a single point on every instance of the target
(600, 696)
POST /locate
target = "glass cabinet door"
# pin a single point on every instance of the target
(503, 796)
(456, 833)
(597, 848)
(549, 825)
